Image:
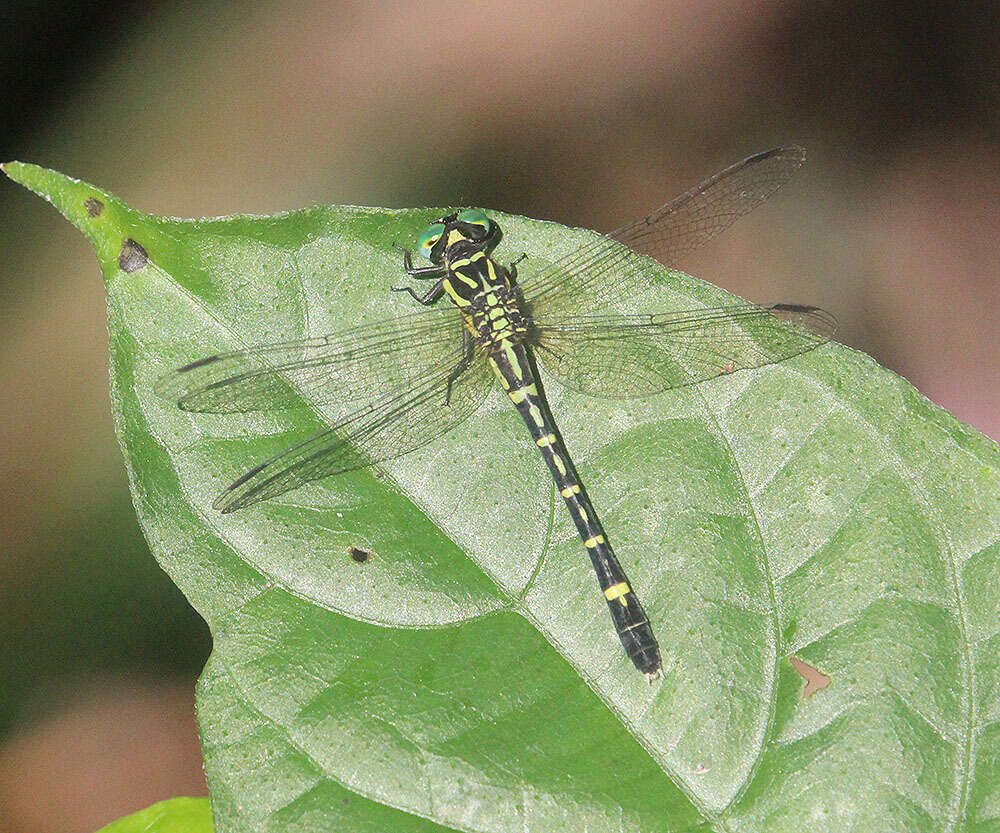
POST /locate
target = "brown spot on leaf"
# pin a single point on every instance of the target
(132, 257)
(94, 206)
(360, 555)
(815, 679)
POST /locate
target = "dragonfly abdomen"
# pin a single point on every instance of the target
(514, 368)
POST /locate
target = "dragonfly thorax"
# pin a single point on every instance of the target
(481, 288)
(496, 318)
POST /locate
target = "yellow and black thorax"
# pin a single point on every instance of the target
(481, 287)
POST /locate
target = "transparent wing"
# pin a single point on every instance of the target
(348, 366)
(626, 356)
(596, 274)
(386, 428)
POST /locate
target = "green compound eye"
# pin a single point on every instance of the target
(475, 217)
(429, 236)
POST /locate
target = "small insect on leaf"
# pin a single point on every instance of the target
(358, 554)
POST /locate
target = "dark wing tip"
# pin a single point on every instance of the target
(166, 387)
(199, 363)
(228, 502)
(173, 385)
(820, 322)
(235, 497)
(795, 155)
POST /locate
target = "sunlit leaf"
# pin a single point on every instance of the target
(465, 676)
(177, 815)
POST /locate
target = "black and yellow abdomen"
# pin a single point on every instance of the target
(514, 367)
(491, 308)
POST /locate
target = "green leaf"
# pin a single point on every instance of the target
(466, 677)
(176, 815)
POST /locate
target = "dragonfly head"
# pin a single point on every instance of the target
(470, 225)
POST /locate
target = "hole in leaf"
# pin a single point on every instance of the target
(94, 207)
(815, 679)
(360, 555)
(132, 257)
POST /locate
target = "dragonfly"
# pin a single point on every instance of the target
(404, 381)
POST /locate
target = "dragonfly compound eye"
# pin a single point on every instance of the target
(428, 238)
(477, 223)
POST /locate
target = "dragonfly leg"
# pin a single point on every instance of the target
(549, 350)
(419, 272)
(426, 299)
(513, 265)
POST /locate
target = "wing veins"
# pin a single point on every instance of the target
(378, 431)
(623, 356)
(274, 376)
(674, 229)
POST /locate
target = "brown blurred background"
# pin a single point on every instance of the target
(585, 112)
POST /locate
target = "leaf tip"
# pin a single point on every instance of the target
(94, 212)
(26, 174)
(12, 169)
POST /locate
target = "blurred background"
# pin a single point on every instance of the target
(589, 113)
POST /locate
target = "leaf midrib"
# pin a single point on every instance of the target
(765, 564)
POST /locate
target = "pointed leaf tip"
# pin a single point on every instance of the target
(102, 218)
(175, 815)
(11, 168)
(17, 171)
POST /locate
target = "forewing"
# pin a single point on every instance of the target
(625, 356)
(386, 428)
(348, 366)
(600, 273)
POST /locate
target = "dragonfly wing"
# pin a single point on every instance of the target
(445, 395)
(340, 367)
(625, 356)
(598, 273)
